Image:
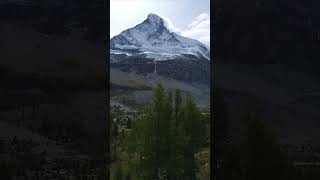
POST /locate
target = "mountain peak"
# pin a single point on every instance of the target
(153, 35)
(153, 18)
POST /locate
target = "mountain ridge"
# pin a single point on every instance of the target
(152, 34)
(149, 53)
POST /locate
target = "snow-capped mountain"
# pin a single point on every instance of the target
(151, 50)
(153, 38)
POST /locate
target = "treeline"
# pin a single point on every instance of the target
(164, 139)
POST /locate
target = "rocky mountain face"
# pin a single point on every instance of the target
(150, 48)
(153, 34)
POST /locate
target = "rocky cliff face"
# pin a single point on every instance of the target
(187, 69)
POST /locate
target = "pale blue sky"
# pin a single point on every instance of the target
(190, 18)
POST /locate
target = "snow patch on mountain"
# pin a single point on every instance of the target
(113, 51)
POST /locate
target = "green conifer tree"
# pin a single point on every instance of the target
(195, 135)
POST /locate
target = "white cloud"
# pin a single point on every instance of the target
(168, 23)
(199, 19)
(198, 29)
